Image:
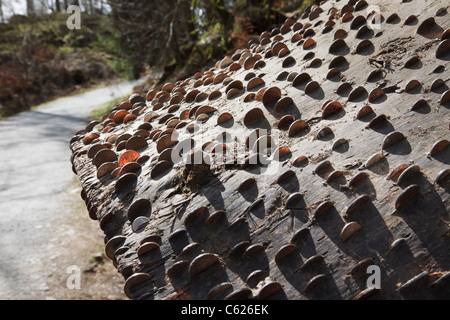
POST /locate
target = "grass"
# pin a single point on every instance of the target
(98, 113)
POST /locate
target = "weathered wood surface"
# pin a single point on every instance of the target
(360, 113)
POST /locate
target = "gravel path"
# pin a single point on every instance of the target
(37, 229)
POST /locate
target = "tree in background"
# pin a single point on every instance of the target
(30, 8)
(156, 34)
(40, 58)
(164, 35)
(2, 17)
(192, 34)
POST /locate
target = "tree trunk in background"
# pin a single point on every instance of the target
(180, 29)
(1, 12)
(30, 8)
(85, 6)
(43, 6)
(269, 11)
(91, 7)
(57, 6)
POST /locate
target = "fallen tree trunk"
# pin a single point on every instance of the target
(312, 165)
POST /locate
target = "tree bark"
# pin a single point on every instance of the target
(298, 228)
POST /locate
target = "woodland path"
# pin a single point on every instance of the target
(39, 195)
